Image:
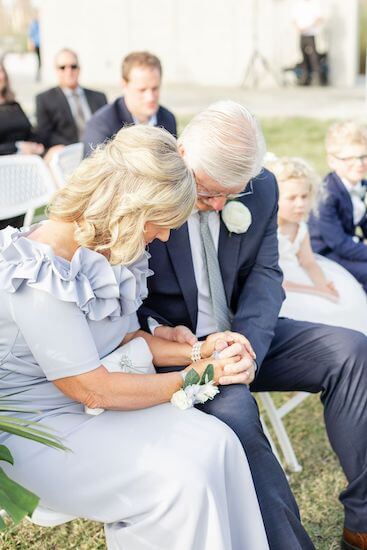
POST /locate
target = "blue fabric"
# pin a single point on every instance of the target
(292, 355)
(332, 229)
(98, 289)
(108, 120)
(34, 32)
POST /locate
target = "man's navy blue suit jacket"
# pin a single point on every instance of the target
(108, 120)
(332, 229)
(250, 271)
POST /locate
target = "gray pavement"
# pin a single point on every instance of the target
(186, 99)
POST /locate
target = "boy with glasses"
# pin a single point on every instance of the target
(339, 227)
(63, 111)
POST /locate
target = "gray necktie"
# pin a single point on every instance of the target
(217, 293)
(79, 116)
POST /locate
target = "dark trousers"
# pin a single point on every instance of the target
(310, 56)
(314, 358)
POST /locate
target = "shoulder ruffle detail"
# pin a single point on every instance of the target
(97, 288)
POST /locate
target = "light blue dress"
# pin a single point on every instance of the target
(159, 478)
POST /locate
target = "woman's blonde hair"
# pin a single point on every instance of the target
(344, 133)
(137, 177)
(295, 168)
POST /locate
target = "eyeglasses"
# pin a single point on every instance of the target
(73, 66)
(228, 196)
(361, 158)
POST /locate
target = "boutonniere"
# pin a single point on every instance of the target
(236, 217)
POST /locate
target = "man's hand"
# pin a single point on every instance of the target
(241, 371)
(180, 334)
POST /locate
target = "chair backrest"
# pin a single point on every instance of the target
(25, 184)
(65, 161)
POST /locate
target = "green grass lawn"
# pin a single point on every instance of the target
(317, 487)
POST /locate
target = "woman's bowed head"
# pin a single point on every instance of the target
(131, 190)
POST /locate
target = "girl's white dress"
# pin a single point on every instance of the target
(349, 312)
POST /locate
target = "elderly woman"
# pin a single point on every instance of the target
(158, 477)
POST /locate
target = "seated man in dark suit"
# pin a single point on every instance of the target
(141, 83)
(220, 271)
(62, 112)
(342, 209)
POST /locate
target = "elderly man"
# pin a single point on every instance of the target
(141, 83)
(62, 112)
(220, 271)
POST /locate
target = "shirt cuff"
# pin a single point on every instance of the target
(152, 324)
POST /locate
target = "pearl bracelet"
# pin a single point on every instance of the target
(196, 352)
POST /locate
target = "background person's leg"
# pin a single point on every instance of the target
(331, 360)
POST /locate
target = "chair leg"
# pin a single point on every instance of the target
(270, 439)
(29, 217)
(280, 432)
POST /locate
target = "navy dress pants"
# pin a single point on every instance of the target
(315, 358)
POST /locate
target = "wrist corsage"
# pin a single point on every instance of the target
(195, 389)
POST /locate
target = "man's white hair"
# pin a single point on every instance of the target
(225, 142)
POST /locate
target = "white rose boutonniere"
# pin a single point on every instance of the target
(237, 217)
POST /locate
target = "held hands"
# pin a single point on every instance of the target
(234, 349)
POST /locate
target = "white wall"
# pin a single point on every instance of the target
(205, 42)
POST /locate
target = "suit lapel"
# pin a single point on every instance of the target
(179, 250)
(65, 107)
(346, 199)
(123, 112)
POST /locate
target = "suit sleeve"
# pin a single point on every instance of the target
(333, 234)
(144, 312)
(262, 294)
(44, 122)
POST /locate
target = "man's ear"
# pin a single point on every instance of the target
(181, 150)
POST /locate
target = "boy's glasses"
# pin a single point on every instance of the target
(361, 158)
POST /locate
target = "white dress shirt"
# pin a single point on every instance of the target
(151, 122)
(306, 14)
(69, 94)
(356, 193)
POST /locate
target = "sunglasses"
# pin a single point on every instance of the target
(73, 66)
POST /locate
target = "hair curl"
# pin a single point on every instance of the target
(137, 177)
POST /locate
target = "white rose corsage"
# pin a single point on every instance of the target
(237, 217)
(195, 389)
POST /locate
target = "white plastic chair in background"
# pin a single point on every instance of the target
(275, 416)
(65, 161)
(25, 184)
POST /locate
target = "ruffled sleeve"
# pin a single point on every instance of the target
(100, 290)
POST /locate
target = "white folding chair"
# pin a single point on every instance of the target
(275, 416)
(65, 161)
(25, 184)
